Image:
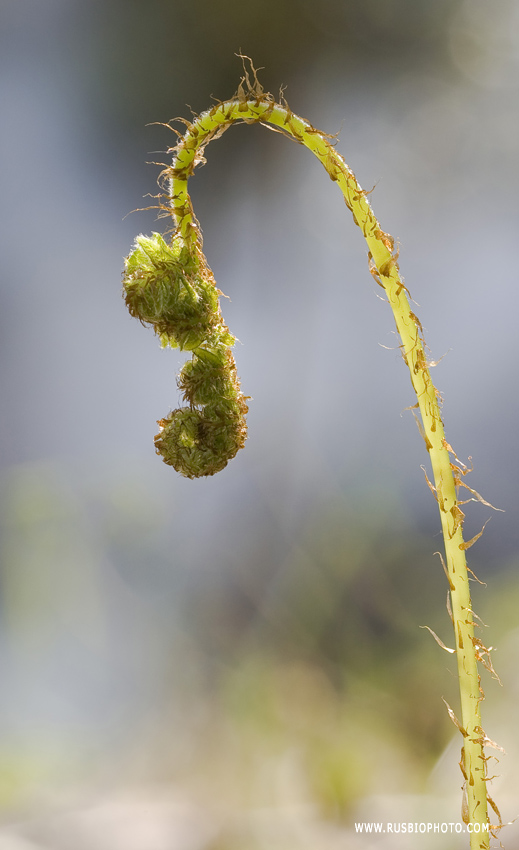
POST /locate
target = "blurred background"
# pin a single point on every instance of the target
(238, 662)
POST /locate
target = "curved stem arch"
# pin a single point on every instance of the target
(261, 108)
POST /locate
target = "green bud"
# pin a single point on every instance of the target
(201, 442)
(205, 381)
(172, 288)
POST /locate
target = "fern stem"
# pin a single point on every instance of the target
(384, 266)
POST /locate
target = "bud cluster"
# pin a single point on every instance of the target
(171, 287)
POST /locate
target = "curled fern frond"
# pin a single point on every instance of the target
(171, 288)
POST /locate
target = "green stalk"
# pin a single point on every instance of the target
(256, 107)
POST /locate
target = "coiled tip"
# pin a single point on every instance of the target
(197, 442)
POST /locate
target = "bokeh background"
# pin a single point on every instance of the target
(238, 662)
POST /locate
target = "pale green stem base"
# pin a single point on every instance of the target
(385, 269)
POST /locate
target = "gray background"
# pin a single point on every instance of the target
(131, 595)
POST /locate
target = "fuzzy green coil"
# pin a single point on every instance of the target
(171, 288)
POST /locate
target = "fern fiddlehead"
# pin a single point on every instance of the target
(170, 287)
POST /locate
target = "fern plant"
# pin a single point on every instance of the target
(169, 285)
